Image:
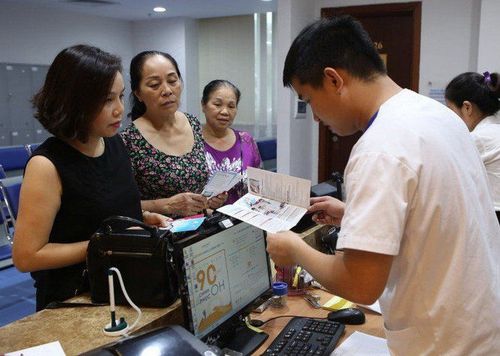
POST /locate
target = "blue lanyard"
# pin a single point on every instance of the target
(370, 122)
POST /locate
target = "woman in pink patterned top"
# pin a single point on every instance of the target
(226, 149)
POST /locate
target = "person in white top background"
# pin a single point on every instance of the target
(475, 98)
(417, 229)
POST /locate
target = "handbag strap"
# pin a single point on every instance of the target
(125, 222)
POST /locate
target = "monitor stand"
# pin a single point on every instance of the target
(245, 340)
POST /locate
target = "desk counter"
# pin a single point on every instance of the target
(298, 306)
(80, 329)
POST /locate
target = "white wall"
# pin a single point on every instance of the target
(447, 48)
(36, 36)
(297, 138)
(192, 75)
(170, 36)
(223, 57)
(489, 40)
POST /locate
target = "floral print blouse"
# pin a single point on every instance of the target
(160, 175)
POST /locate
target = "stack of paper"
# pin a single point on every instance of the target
(360, 344)
(374, 307)
(51, 348)
(221, 182)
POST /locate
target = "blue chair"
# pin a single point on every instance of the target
(5, 253)
(30, 147)
(267, 150)
(13, 157)
(2, 175)
(10, 189)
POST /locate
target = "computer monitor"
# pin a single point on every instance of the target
(221, 274)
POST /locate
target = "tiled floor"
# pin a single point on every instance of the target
(17, 294)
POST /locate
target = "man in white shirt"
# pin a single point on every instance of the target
(418, 230)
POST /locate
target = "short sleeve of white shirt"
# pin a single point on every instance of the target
(379, 190)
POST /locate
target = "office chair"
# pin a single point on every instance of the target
(5, 254)
(10, 189)
(13, 157)
(30, 147)
(267, 150)
(2, 175)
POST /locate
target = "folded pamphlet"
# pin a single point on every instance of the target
(275, 202)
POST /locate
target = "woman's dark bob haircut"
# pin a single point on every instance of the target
(136, 65)
(340, 42)
(75, 90)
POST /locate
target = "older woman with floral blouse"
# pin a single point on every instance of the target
(165, 145)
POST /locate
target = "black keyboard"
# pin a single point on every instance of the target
(307, 336)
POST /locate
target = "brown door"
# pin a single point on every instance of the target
(395, 30)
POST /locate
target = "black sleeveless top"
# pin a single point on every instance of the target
(92, 190)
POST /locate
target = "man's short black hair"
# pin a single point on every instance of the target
(340, 43)
(75, 91)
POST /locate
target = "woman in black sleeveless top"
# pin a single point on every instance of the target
(77, 178)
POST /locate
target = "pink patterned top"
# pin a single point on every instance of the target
(243, 154)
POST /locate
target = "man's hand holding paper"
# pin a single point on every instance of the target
(327, 210)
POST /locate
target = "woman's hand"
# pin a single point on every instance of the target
(156, 219)
(327, 210)
(217, 201)
(184, 204)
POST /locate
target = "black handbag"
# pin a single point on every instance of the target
(144, 258)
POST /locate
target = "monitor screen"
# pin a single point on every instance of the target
(222, 275)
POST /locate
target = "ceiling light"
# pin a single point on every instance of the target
(159, 9)
(266, 0)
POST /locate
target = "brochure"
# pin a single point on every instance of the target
(275, 202)
(220, 182)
